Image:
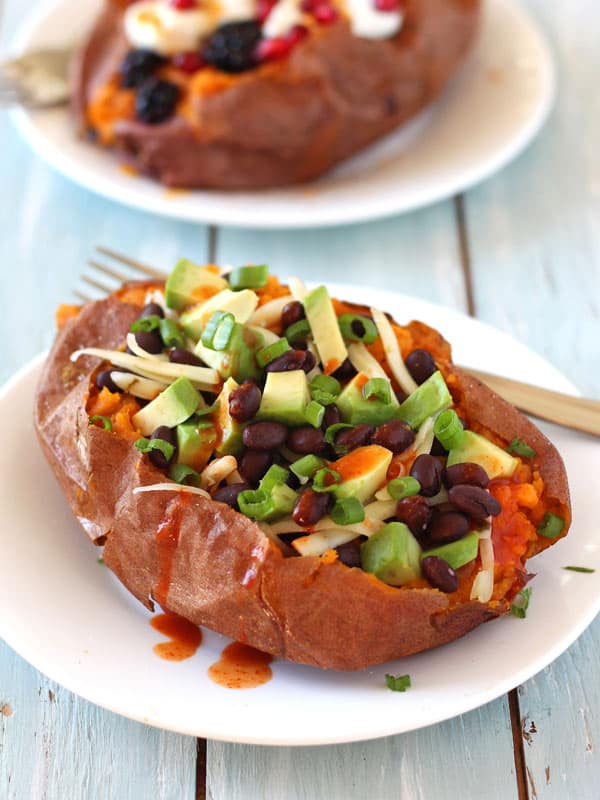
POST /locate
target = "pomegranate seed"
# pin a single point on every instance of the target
(308, 6)
(325, 14)
(188, 62)
(280, 46)
(264, 8)
(297, 33)
(387, 5)
(183, 5)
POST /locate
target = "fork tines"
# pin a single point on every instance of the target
(104, 278)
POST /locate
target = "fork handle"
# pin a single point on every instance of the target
(563, 409)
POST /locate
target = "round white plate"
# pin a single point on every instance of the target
(71, 619)
(493, 109)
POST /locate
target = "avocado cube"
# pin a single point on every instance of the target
(392, 555)
(476, 449)
(429, 398)
(355, 409)
(458, 553)
(195, 443)
(285, 398)
(241, 304)
(189, 283)
(322, 319)
(172, 406)
(363, 472)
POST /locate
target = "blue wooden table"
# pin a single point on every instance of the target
(522, 252)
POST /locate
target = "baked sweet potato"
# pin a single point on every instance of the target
(283, 121)
(215, 566)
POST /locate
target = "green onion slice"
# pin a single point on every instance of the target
(181, 473)
(520, 448)
(306, 466)
(272, 351)
(399, 488)
(147, 445)
(254, 503)
(314, 413)
(249, 277)
(325, 480)
(448, 429)
(332, 431)
(150, 323)
(170, 333)
(356, 328)
(580, 569)
(378, 389)
(551, 525)
(218, 330)
(398, 683)
(347, 511)
(326, 383)
(274, 476)
(106, 423)
(297, 332)
(521, 604)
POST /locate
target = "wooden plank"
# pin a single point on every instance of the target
(535, 252)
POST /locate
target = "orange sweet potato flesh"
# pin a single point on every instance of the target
(284, 122)
(213, 566)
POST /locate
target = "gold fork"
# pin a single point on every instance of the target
(571, 412)
(38, 79)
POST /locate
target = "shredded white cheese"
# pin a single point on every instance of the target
(171, 487)
(315, 544)
(364, 362)
(145, 388)
(217, 471)
(298, 289)
(139, 351)
(269, 315)
(392, 352)
(424, 438)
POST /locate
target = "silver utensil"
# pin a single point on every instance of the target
(38, 79)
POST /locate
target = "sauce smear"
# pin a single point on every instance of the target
(184, 637)
(167, 538)
(241, 667)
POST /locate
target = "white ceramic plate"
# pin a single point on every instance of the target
(491, 112)
(71, 619)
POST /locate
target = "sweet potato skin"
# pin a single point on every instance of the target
(293, 120)
(210, 564)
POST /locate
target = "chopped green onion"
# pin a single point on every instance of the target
(551, 525)
(448, 429)
(325, 480)
(106, 423)
(181, 473)
(249, 277)
(378, 389)
(332, 431)
(254, 503)
(351, 325)
(170, 333)
(205, 412)
(297, 332)
(306, 466)
(580, 569)
(347, 511)
(399, 488)
(272, 351)
(100, 560)
(521, 604)
(520, 448)
(218, 331)
(274, 476)
(147, 445)
(399, 683)
(326, 383)
(314, 413)
(150, 323)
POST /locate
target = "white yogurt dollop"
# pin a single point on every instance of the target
(369, 23)
(163, 29)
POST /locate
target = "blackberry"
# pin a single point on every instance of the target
(155, 101)
(231, 47)
(137, 66)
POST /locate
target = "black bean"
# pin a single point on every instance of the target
(229, 494)
(349, 439)
(104, 381)
(440, 574)
(332, 416)
(253, 464)
(177, 355)
(244, 402)
(306, 440)
(151, 310)
(264, 435)
(149, 341)
(447, 526)
(468, 472)
(310, 507)
(344, 372)
(349, 553)
(420, 364)
(292, 360)
(291, 313)
(395, 435)
(474, 501)
(428, 471)
(414, 513)
(167, 435)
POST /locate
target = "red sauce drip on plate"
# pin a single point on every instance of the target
(167, 538)
(184, 637)
(241, 667)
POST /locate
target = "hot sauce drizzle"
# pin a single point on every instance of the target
(167, 538)
(241, 667)
(184, 637)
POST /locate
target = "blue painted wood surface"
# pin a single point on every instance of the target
(534, 248)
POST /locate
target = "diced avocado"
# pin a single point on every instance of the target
(392, 555)
(189, 283)
(285, 397)
(363, 472)
(229, 430)
(458, 553)
(325, 329)
(241, 304)
(479, 450)
(355, 409)
(429, 398)
(239, 360)
(176, 404)
(195, 443)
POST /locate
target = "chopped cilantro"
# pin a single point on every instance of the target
(399, 683)
(520, 448)
(580, 569)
